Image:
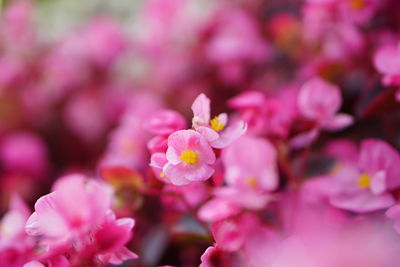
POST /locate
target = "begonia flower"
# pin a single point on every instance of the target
(215, 130)
(251, 162)
(189, 158)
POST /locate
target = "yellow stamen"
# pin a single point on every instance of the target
(364, 181)
(189, 156)
(252, 181)
(216, 124)
(162, 175)
(357, 4)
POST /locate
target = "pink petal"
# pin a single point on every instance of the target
(165, 122)
(179, 174)
(363, 202)
(250, 99)
(92, 199)
(386, 60)
(378, 183)
(175, 175)
(217, 209)
(51, 225)
(158, 144)
(230, 134)
(33, 264)
(201, 109)
(304, 139)
(209, 134)
(318, 99)
(393, 212)
(158, 160)
(180, 141)
(375, 156)
(245, 198)
(338, 122)
(223, 118)
(119, 256)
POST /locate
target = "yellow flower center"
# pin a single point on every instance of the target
(357, 4)
(252, 181)
(216, 124)
(189, 156)
(364, 181)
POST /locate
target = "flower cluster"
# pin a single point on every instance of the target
(205, 133)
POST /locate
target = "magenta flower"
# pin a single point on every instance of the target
(189, 158)
(320, 101)
(76, 219)
(16, 247)
(387, 62)
(250, 162)
(59, 219)
(215, 130)
(366, 186)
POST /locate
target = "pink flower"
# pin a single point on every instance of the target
(387, 62)
(76, 205)
(12, 224)
(76, 219)
(110, 239)
(250, 162)
(16, 247)
(320, 101)
(214, 130)
(189, 158)
(366, 186)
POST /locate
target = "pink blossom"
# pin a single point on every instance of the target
(320, 101)
(16, 247)
(215, 256)
(365, 186)
(189, 158)
(109, 241)
(59, 220)
(76, 219)
(214, 130)
(387, 62)
(251, 162)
